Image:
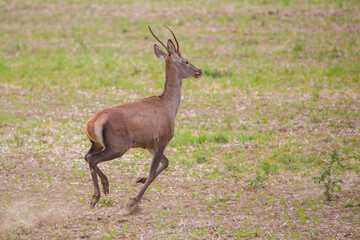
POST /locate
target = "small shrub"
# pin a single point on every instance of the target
(330, 184)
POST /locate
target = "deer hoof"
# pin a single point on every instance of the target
(94, 201)
(132, 206)
(141, 180)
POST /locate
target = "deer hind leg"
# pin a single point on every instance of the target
(112, 150)
(154, 171)
(97, 147)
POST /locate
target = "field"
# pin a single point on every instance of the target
(266, 143)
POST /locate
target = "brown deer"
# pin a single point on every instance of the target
(146, 123)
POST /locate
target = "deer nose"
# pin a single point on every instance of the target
(198, 73)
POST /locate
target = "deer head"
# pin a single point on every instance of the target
(174, 57)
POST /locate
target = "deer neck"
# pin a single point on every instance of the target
(172, 90)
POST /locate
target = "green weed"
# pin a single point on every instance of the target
(329, 183)
(269, 167)
(106, 202)
(255, 182)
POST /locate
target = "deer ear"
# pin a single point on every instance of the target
(159, 53)
(172, 49)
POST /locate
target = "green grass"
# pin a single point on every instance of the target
(263, 51)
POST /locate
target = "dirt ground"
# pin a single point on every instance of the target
(46, 191)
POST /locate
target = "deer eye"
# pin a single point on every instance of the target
(186, 62)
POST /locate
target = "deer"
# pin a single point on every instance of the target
(148, 123)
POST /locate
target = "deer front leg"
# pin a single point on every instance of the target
(133, 204)
(164, 165)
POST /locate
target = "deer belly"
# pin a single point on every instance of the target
(147, 137)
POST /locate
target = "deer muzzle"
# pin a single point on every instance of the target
(198, 73)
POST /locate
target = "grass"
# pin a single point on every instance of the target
(280, 90)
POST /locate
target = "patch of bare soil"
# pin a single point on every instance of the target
(189, 207)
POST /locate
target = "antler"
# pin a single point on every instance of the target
(158, 39)
(177, 44)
